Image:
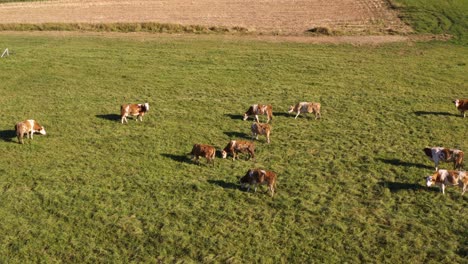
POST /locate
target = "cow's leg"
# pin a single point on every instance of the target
(442, 186)
(32, 133)
(298, 113)
(272, 190)
(464, 189)
(268, 137)
(256, 118)
(20, 138)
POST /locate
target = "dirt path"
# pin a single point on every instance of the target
(355, 17)
(142, 36)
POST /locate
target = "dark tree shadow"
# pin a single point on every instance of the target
(233, 134)
(225, 185)
(7, 135)
(397, 162)
(110, 117)
(239, 117)
(179, 158)
(423, 113)
(402, 186)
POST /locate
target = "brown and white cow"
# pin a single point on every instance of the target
(28, 127)
(437, 154)
(202, 150)
(239, 146)
(260, 129)
(137, 110)
(448, 178)
(259, 109)
(461, 105)
(306, 107)
(258, 176)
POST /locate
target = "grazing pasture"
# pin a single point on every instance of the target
(350, 185)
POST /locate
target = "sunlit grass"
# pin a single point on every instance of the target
(350, 185)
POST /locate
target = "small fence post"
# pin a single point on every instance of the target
(5, 53)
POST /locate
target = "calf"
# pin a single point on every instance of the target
(261, 129)
(257, 176)
(259, 109)
(206, 151)
(448, 178)
(137, 110)
(461, 105)
(28, 127)
(239, 146)
(306, 107)
(437, 154)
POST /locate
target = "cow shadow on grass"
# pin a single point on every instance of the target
(184, 158)
(234, 134)
(7, 135)
(224, 184)
(403, 186)
(232, 116)
(110, 117)
(397, 162)
(423, 113)
(283, 114)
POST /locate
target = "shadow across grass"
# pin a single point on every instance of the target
(403, 186)
(234, 134)
(423, 113)
(7, 135)
(236, 117)
(184, 158)
(224, 184)
(283, 114)
(110, 117)
(397, 162)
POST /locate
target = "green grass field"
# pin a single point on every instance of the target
(436, 17)
(350, 186)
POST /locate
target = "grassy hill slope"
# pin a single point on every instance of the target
(436, 17)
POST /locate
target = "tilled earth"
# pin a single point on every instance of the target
(355, 17)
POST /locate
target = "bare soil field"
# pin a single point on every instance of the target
(284, 17)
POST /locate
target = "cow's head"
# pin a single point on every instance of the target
(291, 108)
(223, 154)
(146, 107)
(245, 116)
(428, 152)
(246, 179)
(456, 102)
(429, 181)
(41, 131)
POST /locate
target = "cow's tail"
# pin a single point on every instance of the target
(459, 160)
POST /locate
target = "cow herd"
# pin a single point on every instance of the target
(255, 177)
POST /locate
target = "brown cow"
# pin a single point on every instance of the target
(28, 127)
(461, 105)
(261, 129)
(437, 154)
(449, 178)
(306, 107)
(206, 151)
(239, 146)
(259, 109)
(257, 176)
(137, 110)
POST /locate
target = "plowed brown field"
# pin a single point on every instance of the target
(269, 16)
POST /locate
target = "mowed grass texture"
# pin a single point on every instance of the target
(350, 186)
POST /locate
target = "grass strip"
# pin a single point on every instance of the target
(121, 27)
